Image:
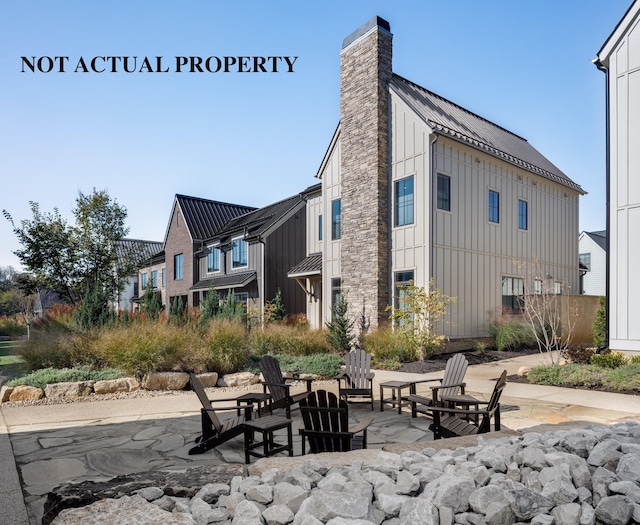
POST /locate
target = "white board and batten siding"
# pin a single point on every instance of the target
(466, 254)
(621, 53)
(594, 280)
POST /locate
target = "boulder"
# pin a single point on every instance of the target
(238, 379)
(112, 386)
(165, 381)
(69, 389)
(523, 371)
(26, 393)
(5, 393)
(208, 379)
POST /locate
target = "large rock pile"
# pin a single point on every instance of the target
(577, 477)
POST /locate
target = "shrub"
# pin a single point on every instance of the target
(55, 349)
(388, 347)
(284, 339)
(578, 353)
(46, 376)
(324, 365)
(600, 324)
(340, 329)
(610, 360)
(510, 333)
(95, 309)
(572, 375)
(12, 327)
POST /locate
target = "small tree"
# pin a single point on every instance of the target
(95, 310)
(274, 310)
(600, 324)
(340, 336)
(151, 304)
(417, 316)
(176, 311)
(364, 322)
(232, 308)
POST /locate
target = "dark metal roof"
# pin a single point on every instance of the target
(310, 265)
(139, 249)
(205, 218)
(256, 223)
(600, 238)
(449, 119)
(232, 280)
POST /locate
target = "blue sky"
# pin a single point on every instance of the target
(254, 138)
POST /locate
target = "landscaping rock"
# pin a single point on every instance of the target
(5, 393)
(26, 393)
(69, 389)
(239, 379)
(111, 386)
(165, 381)
(208, 379)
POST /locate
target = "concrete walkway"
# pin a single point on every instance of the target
(42, 447)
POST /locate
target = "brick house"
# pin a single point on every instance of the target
(414, 186)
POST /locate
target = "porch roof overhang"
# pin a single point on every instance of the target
(232, 280)
(308, 267)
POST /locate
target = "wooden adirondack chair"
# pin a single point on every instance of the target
(448, 422)
(214, 431)
(451, 383)
(325, 424)
(277, 385)
(356, 381)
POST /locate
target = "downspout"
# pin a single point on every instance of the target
(607, 287)
(432, 208)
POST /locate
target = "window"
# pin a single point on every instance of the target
(239, 253)
(585, 260)
(164, 277)
(320, 227)
(336, 293)
(444, 192)
(523, 215)
(213, 259)
(494, 206)
(537, 286)
(177, 267)
(557, 288)
(154, 279)
(144, 279)
(513, 293)
(401, 279)
(336, 219)
(404, 201)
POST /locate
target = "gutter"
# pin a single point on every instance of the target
(605, 70)
(434, 209)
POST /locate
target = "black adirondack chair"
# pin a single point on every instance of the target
(450, 384)
(449, 422)
(278, 387)
(325, 424)
(356, 381)
(214, 431)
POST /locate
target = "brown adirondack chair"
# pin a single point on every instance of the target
(277, 386)
(448, 422)
(356, 381)
(325, 424)
(450, 384)
(214, 431)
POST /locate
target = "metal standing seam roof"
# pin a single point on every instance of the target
(257, 222)
(447, 118)
(232, 280)
(310, 265)
(205, 218)
(599, 237)
(143, 250)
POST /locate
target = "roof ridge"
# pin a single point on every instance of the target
(212, 201)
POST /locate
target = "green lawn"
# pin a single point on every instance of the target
(11, 365)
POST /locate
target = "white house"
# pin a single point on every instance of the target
(592, 247)
(619, 58)
(415, 187)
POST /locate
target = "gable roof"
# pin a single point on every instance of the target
(447, 118)
(257, 223)
(204, 218)
(141, 250)
(599, 237)
(619, 31)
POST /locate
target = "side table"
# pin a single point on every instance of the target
(262, 401)
(396, 394)
(266, 426)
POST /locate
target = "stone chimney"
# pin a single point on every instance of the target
(365, 72)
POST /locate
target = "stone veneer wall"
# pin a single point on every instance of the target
(365, 72)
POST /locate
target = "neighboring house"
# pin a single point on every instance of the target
(141, 251)
(592, 247)
(232, 248)
(619, 58)
(154, 271)
(416, 187)
(251, 254)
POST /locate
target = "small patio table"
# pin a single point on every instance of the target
(396, 394)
